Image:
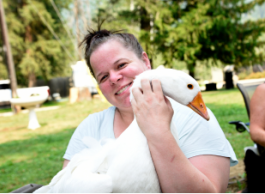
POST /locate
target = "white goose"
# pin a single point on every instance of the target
(125, 164)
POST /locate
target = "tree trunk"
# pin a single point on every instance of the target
(32, 80)
(76, 15)
(145, 25)
(191, 74)
(145, 20)
(9, 57)
(191, 68)
(29, 39)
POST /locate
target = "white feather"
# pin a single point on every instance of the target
(125, 164)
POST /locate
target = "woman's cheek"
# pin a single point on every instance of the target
(133, 71)
(104, 89)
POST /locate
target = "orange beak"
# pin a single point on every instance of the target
(198, 106)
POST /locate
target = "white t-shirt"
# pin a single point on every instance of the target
(196, 135)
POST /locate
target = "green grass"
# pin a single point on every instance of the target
(33, 160)
(35, 156)
(46, 104)
(228, 105)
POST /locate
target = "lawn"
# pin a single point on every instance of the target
(228, 105)
(36, 156)
(28, 156)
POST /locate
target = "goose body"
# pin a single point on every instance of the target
(125, 164)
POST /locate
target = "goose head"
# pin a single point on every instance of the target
(177, 85)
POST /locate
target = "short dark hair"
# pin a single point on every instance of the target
(95, 38)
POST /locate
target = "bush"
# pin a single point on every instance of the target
(257, 75)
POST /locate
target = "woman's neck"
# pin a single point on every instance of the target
(126, 114)
(122, 120)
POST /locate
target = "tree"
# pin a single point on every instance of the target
(192, 30)
(229, 39)
(135, 16)
(178, 32)
(167, 27)
(40, 44)
(212, 29)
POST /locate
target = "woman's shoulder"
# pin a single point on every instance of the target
(97, 123)
(96, 119)
(101, 115)
(261, 88)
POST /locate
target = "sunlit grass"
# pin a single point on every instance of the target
(35, 156)
(53, 121)
(33, 160)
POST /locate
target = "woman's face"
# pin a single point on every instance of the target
(115, 68)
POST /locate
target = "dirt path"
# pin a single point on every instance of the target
(237, 170)
(237, 179)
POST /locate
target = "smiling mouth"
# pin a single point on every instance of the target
(123, 89)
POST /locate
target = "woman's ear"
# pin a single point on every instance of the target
(146, 60)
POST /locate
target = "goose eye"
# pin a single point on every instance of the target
(190, 86)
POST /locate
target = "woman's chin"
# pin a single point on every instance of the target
(125, 105)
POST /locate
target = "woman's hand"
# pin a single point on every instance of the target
(153, 111)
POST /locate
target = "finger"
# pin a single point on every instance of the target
(146, 87)
(167, 101)
(137, 93)
(157, 88)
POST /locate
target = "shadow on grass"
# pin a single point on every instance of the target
(4, 110)
(34, 160)
(42, 124)
(54, 103)
(222, 90)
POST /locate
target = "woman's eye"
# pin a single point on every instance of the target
(121, 65)
(103, 78)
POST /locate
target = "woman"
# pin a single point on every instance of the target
(202, 161)
(257, 116)
(254, 164)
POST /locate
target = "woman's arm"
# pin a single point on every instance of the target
(205, 173)
(65, 163)
(257, 116)
(176, 173)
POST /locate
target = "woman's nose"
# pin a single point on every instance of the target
(115, 77)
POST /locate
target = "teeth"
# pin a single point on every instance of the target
(119, 92)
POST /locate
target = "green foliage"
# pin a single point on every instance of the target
(191, 31)
(3, 72)
(253, 75)
(229, 39)
(36, 52)
(178, 38)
